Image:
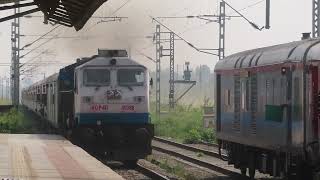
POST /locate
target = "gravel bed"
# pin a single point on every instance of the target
(203, 146)
(193, 171)
(126, 173)
(190, 171)
(157, 169)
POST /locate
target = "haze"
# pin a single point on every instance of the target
(288, 20)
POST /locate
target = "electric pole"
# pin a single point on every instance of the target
(315, 18)
(159, 54)
(267, 26)
(15, 69)
(158, 70)
(171, 78)
(222, 30)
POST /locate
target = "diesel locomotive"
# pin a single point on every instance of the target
(101, 103)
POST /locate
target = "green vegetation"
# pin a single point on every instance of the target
(184, 125)
(18, 122)
(200, 154)
(4, 102)
(173, 168)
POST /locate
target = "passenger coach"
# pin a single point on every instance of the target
(268, 109)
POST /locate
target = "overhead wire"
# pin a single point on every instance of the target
(251, 5)
(41, 53)
(114, 12)
(250, 22)
(45, 42)
(118, 9)
(184, 40)
(42, 36)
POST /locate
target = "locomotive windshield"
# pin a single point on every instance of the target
(96, 77)
(131, 77)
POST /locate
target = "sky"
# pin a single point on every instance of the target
(289, 18)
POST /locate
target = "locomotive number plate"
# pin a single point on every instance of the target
(127, 108)
(99, 107)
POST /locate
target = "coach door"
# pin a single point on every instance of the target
(245, 104)
(241, 101)
(315, 100)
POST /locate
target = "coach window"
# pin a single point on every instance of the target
(283, 91)
(131, 77)
(227, 98)
(274, 85)
(96, 77)
(52, 90)
(75, 88)
(296, 101)
(245, 95)
(268, 91)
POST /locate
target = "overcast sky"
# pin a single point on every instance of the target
(289, 18)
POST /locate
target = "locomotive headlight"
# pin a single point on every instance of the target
(99, 123)
(139, 99)
(87, 99)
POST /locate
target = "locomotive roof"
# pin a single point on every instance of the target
(67, 73)
(296, 51)
(105, 61)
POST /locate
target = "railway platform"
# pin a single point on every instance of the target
(44, 157)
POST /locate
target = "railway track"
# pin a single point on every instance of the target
(140, 172)
(191, 148)
(209, 159)
(150, 173)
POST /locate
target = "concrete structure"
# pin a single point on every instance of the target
(41, 157)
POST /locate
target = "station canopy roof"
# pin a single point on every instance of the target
(71, 13)
(7, 1)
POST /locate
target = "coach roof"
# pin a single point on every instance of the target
(290, 52)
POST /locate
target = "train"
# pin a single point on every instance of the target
(267, 110)
(101, 103)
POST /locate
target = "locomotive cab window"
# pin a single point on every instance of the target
(131, 77)
(96, 77)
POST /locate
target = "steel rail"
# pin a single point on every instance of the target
(190, 148)
(150, 173)
(198, 162)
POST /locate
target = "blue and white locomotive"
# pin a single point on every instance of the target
(102, 100)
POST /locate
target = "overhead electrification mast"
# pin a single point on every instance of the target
(15, 48)
(315, 18)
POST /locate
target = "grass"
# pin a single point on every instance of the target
(19, 122)
(4, 102)
(176, 169)
(184, 125)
